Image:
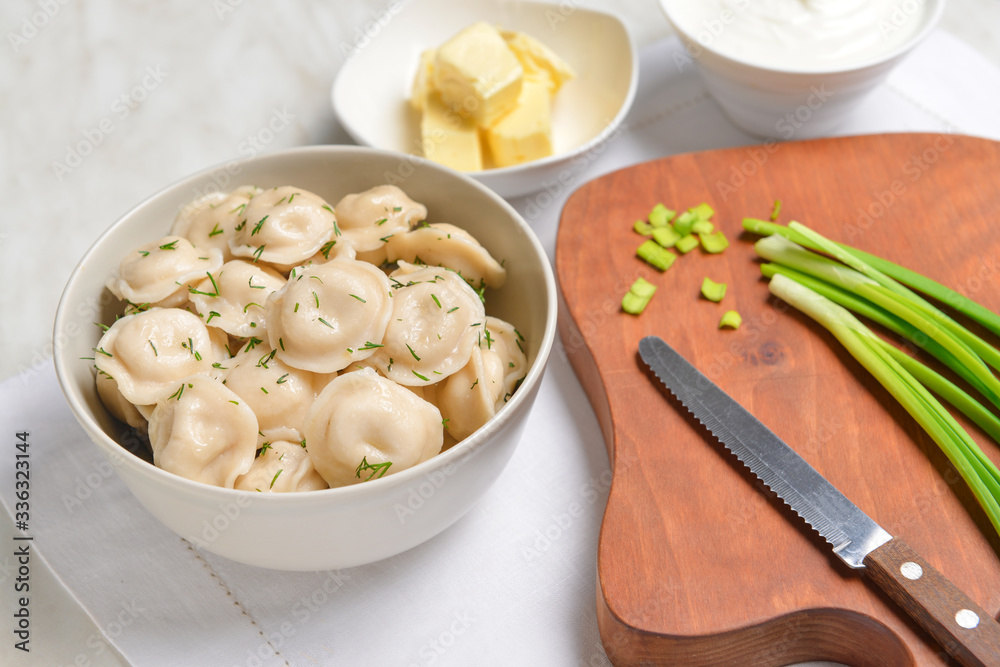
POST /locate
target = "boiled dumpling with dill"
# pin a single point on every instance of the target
(282, 467)
(280, 395)
(148, 352)
(363, 426)
(437, 319)
(283, 226)
(210, 221)
(503, 340)
(468, 399)
(116, 404)
(203, 432)
(161, 270)
(330, 315)
(367, 218)
(441, 244)
(233, 299)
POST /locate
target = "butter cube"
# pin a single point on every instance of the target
(477, 74)
(448, 138)
(535, 56)
(526, 132)
(422, 82)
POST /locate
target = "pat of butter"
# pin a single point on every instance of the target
(477, 74)
(448, 138)
(535, 56)
(526, 132)
(422, 82)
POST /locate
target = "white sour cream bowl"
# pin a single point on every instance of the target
(794, 69)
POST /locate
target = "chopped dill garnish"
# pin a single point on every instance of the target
(377, 469)
(215, 231)
(169, 246)
(258, 225)
(422, 377)
(412, 352)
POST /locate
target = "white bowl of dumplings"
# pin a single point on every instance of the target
(323, 364)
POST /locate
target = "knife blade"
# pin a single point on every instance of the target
(960, 626)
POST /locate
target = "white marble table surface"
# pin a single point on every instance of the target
(160, 90)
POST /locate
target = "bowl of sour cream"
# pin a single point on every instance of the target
(795, 69)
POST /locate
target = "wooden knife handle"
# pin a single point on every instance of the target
(962, 627)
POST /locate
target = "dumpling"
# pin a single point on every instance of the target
(367, 218)
(203, 432)
(161, 270)
(441, 244)
(149, 352)
(282, 467)
(278, 394)
(469, 398)
(330, 315)
(437, 318)
(233, 299)
(283, 226)
(210, 221)
(120, 409)
(504, 340)
(364, 426)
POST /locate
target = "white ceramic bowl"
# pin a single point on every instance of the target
(790, 103)
(371, 93)
(340, 527)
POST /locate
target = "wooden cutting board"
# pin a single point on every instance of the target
(696, 566)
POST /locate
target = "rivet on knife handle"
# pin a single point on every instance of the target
(963, 628)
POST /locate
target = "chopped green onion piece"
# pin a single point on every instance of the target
(642, 227)
(684, 222)
(715, 242)
(712, 290)
(661, 216)
(702, 227)
(638, 296)
(703, 211)
(666, 236)
(656, 255)
(687, 243)
(776, 210)
(730, 319)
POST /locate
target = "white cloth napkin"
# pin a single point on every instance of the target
(512, 583)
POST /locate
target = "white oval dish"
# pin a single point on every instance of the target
(341, 527)
(371, 93)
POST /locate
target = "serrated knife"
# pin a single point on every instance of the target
(960, 626)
